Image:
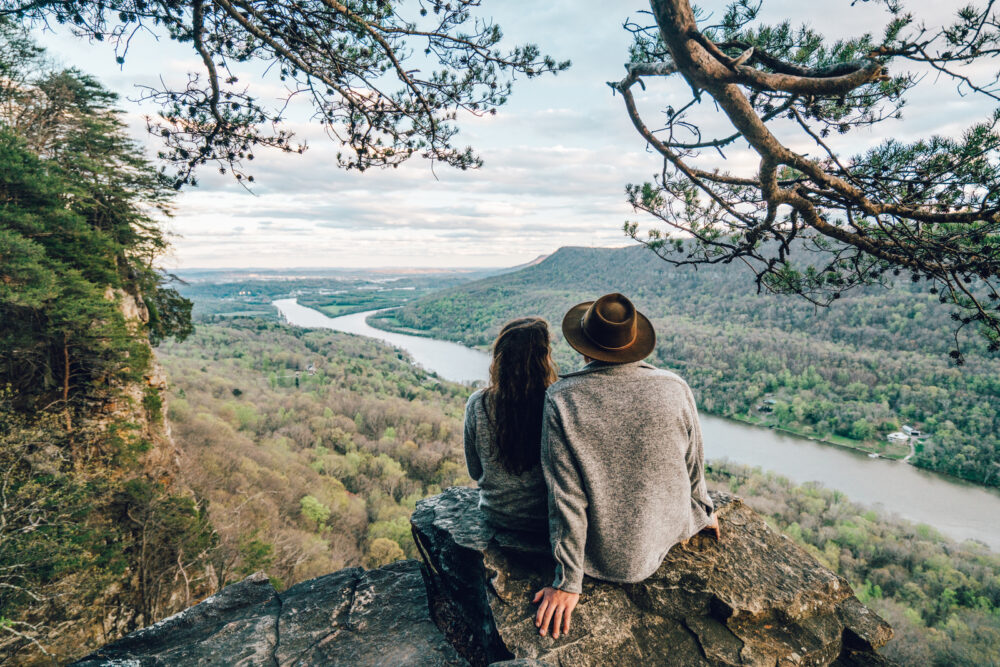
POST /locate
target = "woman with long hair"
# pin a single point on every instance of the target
(503, 427)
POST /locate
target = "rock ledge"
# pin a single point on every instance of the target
(754, 598)
(351, 617)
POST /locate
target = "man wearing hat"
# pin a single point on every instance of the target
(622, 457)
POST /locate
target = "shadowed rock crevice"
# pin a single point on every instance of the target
(753, 598)
(277, 634)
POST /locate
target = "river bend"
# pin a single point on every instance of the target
(956, 508)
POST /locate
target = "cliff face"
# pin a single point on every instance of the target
(753, 598)
(142, 403)
(118, 455)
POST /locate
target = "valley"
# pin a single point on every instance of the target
(875, 361)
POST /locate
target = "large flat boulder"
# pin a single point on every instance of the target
(753, 598)
(354, 617)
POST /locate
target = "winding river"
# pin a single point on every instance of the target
(955, 508)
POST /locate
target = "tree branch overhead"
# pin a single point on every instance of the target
(812, 225)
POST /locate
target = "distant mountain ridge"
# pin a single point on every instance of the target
(537, 260)
(872, 362)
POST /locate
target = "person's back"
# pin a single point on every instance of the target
(503, 428)
(509, 500)
(630, 432)
(622, 458)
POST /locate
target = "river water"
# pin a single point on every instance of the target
(957, 509)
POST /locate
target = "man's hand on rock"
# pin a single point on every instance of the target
(556, 608)
(713, 526)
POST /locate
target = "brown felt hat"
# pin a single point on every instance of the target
(609, 329)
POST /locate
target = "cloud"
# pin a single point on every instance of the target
(557, 157)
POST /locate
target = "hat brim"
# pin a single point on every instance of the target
(572, 328)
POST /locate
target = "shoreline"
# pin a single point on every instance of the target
(824, 441)
(378, 323)
(375, 323)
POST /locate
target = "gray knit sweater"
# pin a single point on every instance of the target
(623, 461)
(510, 501)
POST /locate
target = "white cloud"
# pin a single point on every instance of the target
(557, 156)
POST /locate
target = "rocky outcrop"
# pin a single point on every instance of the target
(351, 617)
(753, 598)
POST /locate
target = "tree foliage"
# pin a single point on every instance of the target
(385, 78)
(309, 478)
(93, 542)
(820, 223)
(80, 210)
(941, 599)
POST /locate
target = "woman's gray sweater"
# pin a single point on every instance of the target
(622, 456)
(517, 502)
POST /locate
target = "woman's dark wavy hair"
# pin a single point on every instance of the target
(521, 371)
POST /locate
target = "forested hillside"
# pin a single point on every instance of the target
(309, 471)
(853, 372)
(94, 532)
(311, 447)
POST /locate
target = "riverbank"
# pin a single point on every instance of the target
(831, 440)
(912, 493)
(882, 449)
(389, 323)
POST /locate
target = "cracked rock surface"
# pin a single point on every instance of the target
(351, 617)
(753, 598)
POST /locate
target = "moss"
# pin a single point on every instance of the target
(152, 401)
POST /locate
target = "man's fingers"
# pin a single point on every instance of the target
(538, 596)
(541, 613)
(569, 612)
(557, 621)
(550, 609)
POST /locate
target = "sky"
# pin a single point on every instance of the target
(557, 156)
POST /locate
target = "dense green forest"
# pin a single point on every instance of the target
(308, 471)
(93, 531)
(873, 361)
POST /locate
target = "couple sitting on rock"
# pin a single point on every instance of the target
(607, 459)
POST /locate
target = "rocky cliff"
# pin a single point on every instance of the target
(753, 598)
(351, 617)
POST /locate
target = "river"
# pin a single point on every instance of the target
(957, 509)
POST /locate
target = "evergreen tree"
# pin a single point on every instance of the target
(80, 302)
(79, 232)
(387, 79)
